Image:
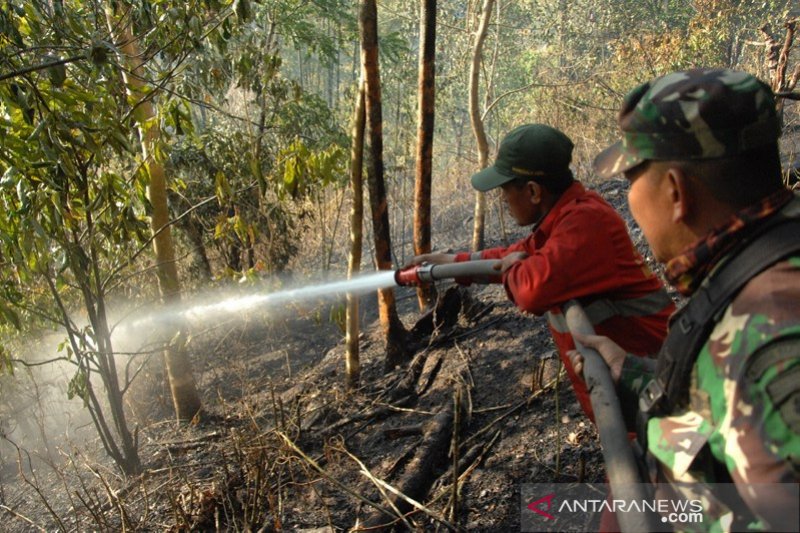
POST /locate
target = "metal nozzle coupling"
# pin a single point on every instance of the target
(414, 275)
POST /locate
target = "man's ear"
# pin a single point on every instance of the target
(678, 189)
(536, 192)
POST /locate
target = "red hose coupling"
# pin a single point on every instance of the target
(408, 277)
(414, 275)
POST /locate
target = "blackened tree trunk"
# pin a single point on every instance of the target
(394, 331)
(425, 121)
(477, 122)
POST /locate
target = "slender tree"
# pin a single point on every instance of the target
(476, 120)
(425, 122)
(352, 363)
(394, 331)
(777, 59)
(179, 371)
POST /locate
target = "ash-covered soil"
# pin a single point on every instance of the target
(283, 446)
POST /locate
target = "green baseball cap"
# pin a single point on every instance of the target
(691, 115)
(532, 150)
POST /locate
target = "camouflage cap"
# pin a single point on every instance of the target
(689, 115)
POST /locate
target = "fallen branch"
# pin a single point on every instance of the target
(430, 376)
(407, 384)
(438, 325)
(418, 476)
(21, 517)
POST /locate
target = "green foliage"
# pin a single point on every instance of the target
(78, 387)
(9, 316)
(301, 170)
(6, 365)
(240, 151)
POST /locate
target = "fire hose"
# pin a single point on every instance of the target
(623, 473)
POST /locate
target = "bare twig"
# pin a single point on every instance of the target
(490, 409)
(321, 471)
(431, 513)
(113, 498)
(467, 470)
(379, 484)
(455, 446)
(466, 360)
(399, 409)
(21, 517)
(188, 443)
(35, 484)
(508, 413)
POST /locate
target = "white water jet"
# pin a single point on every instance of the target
(227, 305)
(358, 285)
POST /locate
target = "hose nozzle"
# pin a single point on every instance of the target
(414, 275)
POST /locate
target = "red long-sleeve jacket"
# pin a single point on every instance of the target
(581, 250)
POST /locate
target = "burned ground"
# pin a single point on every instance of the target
(283, 446)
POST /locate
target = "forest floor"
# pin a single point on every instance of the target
(282, 446)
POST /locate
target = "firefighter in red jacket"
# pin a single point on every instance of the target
(579, 248)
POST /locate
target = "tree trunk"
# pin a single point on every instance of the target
(201, 266)
(425, 122)
(394, 331)
(352, 363)
(477, 122)
(179, 371)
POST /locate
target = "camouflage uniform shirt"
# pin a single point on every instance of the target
(741, 424)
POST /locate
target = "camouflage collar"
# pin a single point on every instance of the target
(686, 271)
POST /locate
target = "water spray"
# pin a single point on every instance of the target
(213, 307)
(417, 275)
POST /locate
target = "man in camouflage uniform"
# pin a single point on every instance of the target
(700, 149)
